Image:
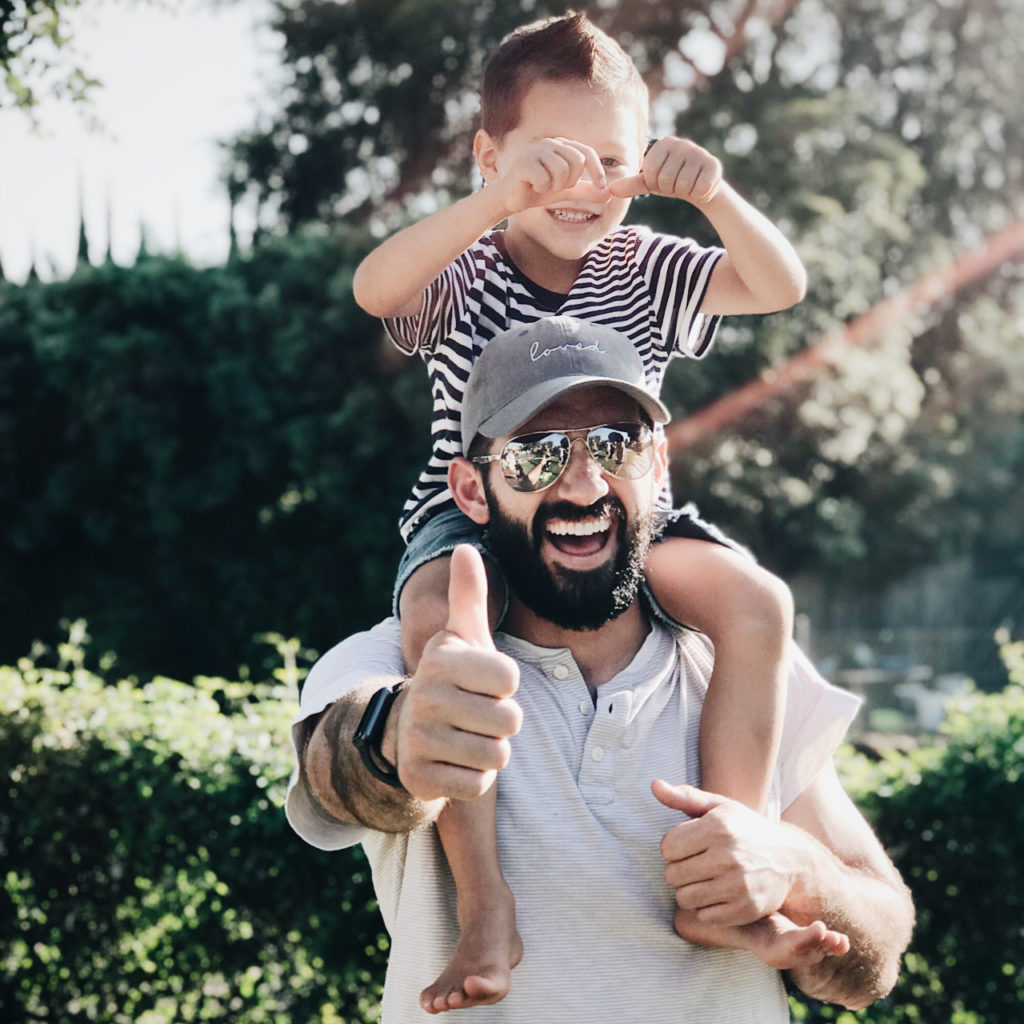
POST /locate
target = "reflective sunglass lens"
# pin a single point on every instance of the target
(535, 461)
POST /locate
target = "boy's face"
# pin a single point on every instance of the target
(610, 125)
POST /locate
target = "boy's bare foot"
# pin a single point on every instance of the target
(775, 939)
(480, 970)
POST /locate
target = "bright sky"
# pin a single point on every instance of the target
(177, 78)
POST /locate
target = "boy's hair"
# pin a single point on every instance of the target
(570, 46)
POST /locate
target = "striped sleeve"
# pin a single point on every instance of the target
(677, 272)
(444, 304)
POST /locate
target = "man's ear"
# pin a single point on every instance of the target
(467, 487)
(485, 150)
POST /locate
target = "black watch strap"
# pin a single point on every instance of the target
(370, 733)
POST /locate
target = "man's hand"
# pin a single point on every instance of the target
(450, 726)
(676, 168)
(552, 171)
(727, 863)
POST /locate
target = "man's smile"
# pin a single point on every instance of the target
(581, 540)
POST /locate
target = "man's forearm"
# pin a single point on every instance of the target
(339, 782)
(853, 887)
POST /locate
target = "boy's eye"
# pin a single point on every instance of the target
(615, 165)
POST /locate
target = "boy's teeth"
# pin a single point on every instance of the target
(577, 216)
(578, 528)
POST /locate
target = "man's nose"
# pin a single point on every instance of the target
(582, 480)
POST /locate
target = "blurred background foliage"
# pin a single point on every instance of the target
(190, 456)
(149, 875)
(194, 458)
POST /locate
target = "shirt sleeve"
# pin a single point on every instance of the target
(817, 717)
(445, 302)
(677, 272)
(374, 653)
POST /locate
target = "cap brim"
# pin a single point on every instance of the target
(526, 405)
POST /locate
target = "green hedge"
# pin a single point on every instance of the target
(148, 872)
(952, 815)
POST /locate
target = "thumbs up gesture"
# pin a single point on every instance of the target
(457, 713)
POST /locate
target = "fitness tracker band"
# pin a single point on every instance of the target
(370, 733)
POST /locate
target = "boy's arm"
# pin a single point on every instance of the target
(760, 271)
(391, 280)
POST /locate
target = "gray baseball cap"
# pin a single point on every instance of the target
(523, 369)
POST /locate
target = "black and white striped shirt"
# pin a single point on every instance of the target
(646, 285)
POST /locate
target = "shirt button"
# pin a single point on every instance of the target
(585, 707)
(597, 753)
(560, 672)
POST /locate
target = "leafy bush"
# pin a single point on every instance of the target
(149, 874)
(952, 815)
(190, 457)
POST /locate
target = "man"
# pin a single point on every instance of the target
(584, 705)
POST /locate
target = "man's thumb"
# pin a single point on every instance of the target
(467, 597)
(693, 802)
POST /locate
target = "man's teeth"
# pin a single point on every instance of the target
(578, 528)
(575, 216)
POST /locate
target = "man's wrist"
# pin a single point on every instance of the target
(369, 737)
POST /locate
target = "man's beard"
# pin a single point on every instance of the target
(571, 599)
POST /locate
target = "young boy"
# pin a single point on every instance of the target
(562, 151)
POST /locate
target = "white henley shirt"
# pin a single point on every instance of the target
(578, 836)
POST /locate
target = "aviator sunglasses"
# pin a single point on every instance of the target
(533, 462)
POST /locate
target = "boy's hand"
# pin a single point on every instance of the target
(676, 168)
(457, 713)
(552, 171)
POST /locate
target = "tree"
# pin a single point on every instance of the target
(190, 458)
(381, 98)
(37, 55)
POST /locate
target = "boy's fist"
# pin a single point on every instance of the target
(676, 168)
(551, 171)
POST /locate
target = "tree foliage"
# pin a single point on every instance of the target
(952, 817)
(380, 102)
(37, 55)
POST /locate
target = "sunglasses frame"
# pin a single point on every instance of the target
(645, 438)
